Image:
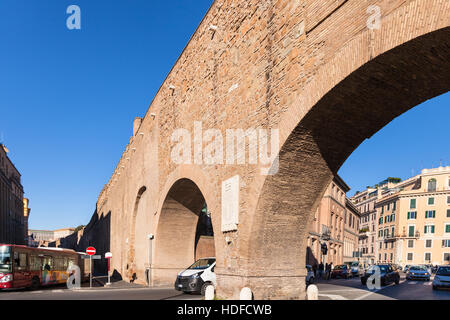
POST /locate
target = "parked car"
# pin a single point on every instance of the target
(310, 276)
(429, 267)
(387, 274)
(341, 271)
(418, 272)
(355, 268)
(197, 277)
(442, 278)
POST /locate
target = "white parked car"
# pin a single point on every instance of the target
(197, 277)
(442, 278)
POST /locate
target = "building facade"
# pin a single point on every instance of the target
(414, 220)
(335, 223)
(13, 214)
(406, 222)
(44, 237)
(351, 232)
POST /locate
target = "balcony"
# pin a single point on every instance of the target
(405, 235)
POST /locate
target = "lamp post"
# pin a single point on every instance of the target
(150, 237)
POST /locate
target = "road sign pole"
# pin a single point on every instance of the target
(90, 278)
(109, 279)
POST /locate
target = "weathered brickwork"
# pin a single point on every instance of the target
(311, 69)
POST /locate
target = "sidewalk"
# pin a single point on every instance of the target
(100, 284)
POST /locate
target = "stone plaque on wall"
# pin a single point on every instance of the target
(230, 204)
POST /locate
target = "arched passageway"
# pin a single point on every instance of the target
(178, 231)
(355, 109)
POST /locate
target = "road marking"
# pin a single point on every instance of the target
(428, 283)
(340, 290)
(372, 292)
(412, 282)
(333, 296)
(58, 290)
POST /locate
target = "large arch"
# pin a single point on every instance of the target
(353, 110)
(175, 237)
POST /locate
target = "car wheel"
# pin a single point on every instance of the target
(363, 282)
(204, 286)
(434, 287)
(397, 281)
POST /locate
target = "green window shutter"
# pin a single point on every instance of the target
(425, 229)
(409, 215)
(434, 213)
(447, 228)
(432, 229)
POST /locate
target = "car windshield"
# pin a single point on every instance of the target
(202, 264)
(443, 271)
(373, 268)
(5, 259)
(418, 268)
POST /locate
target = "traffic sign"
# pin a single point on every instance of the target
(95, 257)
(90, 251)
(108, 255)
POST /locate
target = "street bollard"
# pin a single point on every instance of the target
(209, 293)
(246, 294)
(312, 293)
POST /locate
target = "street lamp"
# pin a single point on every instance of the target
(150, 237)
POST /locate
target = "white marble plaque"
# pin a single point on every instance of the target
(230, 204)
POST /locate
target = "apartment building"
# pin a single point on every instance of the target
(365, 203)
(414, 220)
(13, 214)
(335, 223)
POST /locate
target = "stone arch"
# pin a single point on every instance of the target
(321, 140)
(174, 245)
(138, 254)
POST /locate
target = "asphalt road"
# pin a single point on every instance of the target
(336, 289)
(352, 289)
(62, 293)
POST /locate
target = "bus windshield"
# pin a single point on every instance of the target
(5, 259)
(202, 264)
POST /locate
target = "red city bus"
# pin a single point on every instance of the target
(26, 267)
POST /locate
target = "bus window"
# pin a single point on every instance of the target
(20, 261)
(5, 259)
(35, 263)
(48, 264)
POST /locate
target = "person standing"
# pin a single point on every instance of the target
(330, 268)
(320, 270)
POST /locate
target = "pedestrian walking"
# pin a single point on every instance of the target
(330, 268)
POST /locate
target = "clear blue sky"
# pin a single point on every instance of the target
(68, 99)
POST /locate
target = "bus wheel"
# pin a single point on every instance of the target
(35, 283)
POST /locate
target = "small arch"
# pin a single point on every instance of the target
(134, 268)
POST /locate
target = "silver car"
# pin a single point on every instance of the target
(418, 272)
(442, 278)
